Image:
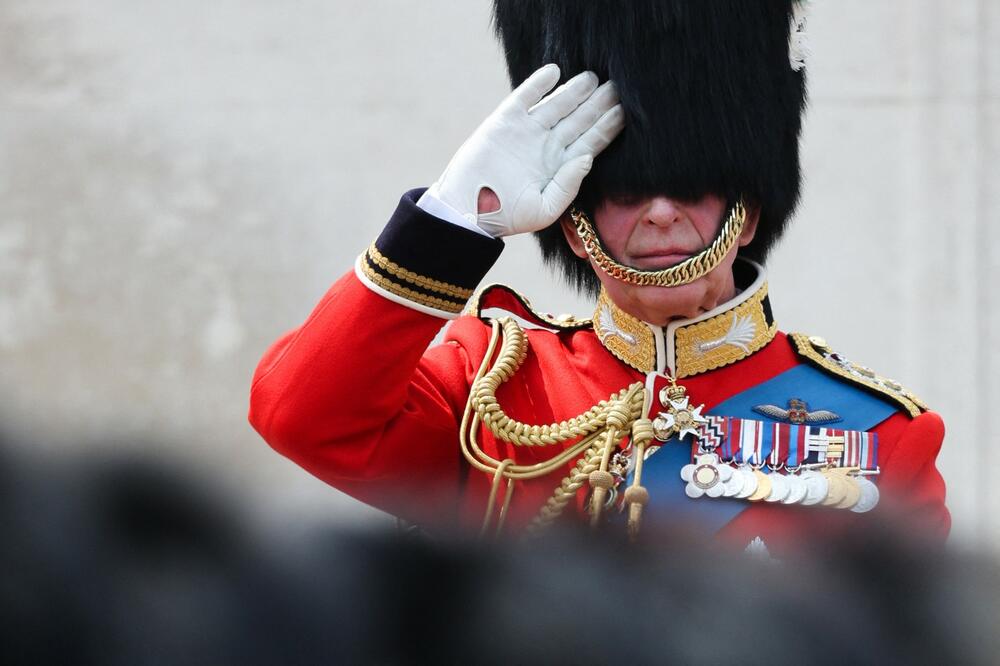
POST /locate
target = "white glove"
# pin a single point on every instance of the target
(533, 153)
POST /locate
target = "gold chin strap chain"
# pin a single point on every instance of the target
(598, 431)
(686, 271)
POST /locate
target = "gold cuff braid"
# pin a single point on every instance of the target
(685, 272)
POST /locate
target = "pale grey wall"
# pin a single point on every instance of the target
(180, 181)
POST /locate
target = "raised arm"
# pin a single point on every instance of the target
(354, 395)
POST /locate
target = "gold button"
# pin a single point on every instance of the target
(818, 342)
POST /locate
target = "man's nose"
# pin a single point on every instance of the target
(664, 211)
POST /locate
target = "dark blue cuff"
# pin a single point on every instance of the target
(427, 260)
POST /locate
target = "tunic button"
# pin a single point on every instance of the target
(818, 342)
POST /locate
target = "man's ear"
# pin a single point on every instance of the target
(750, 228)
(569, 231)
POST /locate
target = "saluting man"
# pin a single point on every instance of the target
(658, 175)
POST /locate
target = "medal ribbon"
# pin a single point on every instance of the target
(781, 438)
(792, 443)
(861, 449)
(816, 444)
(852, 449)
(755, 442)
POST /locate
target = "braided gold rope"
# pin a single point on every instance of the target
(686, 271)
(623, 408)
(484, 401)
(566, 490)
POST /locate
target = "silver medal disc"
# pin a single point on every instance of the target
(779, 487)
(869, 495)
(817, 487)
(734, 485)
(796, 490)
(749, 483)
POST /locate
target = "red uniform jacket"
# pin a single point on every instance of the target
(355, 396)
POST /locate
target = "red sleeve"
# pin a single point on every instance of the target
(349, 397)
(910, 483)
(354, 395)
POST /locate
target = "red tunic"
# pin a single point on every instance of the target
(355, 397)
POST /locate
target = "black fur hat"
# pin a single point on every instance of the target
(712, 101)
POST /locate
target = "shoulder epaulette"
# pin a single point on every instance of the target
(818, 353)
(502, 297)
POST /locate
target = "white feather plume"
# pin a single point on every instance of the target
(798, 46)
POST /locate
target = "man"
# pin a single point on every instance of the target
(680, 400)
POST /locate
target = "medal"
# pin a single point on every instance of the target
(817, 487)
(869, 496)
(796, 485)
(735, 484)
(750, 443)
(861, 454)
(779, 487)
(836, 490)
(763, 486)
(779, 483)
(706, 476)
(771, 462)
(680, 418)
(749, 482)
(853, 493)
(796, 490)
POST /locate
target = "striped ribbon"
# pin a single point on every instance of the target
(758, 442)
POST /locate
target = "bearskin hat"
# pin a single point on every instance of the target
(712, 93)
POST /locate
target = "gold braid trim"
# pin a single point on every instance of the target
(685, 272)
(396, 270)
(604, 422)
(566, 490)
(702, 346)
(816, 350)
(405, 292)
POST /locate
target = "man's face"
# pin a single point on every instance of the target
(657, 232)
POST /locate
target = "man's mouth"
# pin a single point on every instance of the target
(660, 259)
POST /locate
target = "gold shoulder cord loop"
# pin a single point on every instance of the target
(685, 272)
(609, 417)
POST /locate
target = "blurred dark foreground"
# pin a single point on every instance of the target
(137, 563)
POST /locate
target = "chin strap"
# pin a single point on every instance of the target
(685, 272)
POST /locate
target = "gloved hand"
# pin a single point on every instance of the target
(533, 153)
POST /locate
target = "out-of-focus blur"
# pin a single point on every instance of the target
(139, 562)
(180, 181)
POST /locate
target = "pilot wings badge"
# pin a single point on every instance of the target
(798, 413)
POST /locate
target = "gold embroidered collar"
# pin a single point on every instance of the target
(686, 347)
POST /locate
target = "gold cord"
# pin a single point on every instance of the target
(608, 418)
(497, 477)
(636, 497)
(685, 272)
